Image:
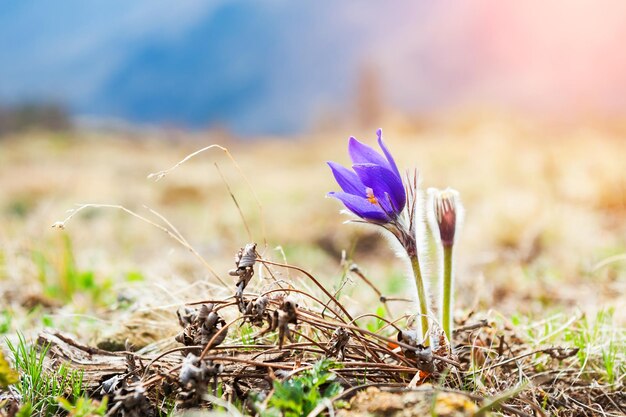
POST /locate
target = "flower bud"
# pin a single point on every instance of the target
(445, 212)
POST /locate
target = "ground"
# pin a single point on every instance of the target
(542, 250)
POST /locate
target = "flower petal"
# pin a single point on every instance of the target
(385, 184)
(347, 179)
(361, 207)
(360, 153)
(392, 163)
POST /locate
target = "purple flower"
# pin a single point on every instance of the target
(374, 190)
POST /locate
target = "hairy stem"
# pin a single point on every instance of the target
(421, 296)
(447, 291)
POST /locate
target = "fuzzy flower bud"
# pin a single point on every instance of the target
(445, 213)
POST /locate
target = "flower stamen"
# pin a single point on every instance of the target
(370, 196)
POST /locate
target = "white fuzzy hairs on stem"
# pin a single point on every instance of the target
(421, 240)
(411, 222)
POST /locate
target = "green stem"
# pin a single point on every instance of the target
(421, 295)
(447, 291)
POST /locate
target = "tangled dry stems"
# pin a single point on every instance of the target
(492, 366)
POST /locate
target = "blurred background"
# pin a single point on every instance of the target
(279, 67)
(521, 106)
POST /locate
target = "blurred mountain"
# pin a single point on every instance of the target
(246, 65)
(269, 66)
(278, 66)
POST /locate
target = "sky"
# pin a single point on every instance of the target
(275, 66)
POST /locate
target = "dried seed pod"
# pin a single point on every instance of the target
(338, 343)
(208, 332)
(123, 383)
(194, 378)
(247, 256)
(423, 356)
(289, 305)
(258, 309)
(204, 326)
(210, 320)
(185, 337)
(205, 310)
(210, 327)
(244, 262)
(247, 307)
(186, 316)
(280, 320)
(287, 314)
(110, 385)
(192, 372)
(130, 401)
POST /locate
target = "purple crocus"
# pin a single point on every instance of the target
(373, 190)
